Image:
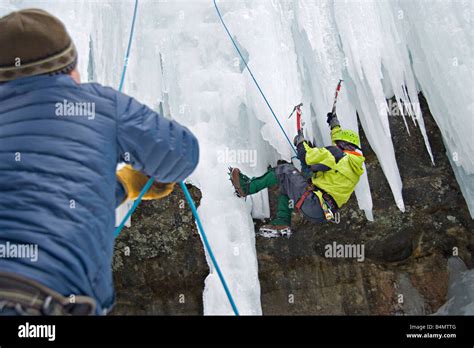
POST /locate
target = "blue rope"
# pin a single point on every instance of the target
(122, 79)
(183, 187)
(134, 206)
(253, 77)
(208, 247)
(201, 230)
(130, 39)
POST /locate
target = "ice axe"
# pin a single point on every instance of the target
(297, 108)
(304, 168)
(338, 88)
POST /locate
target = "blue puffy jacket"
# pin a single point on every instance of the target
(57, 176)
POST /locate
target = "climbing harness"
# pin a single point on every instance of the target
(302, 199)
(331, 213)
(329, 207)
(182, 185)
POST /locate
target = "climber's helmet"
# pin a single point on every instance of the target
(347, 136)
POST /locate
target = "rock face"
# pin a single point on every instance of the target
(159, 264)
(403, 271)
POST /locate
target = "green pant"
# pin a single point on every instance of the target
(267, 180)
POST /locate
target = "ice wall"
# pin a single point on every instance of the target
(183, 65)
(460, 290)
(440, 37)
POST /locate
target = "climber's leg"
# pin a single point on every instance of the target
(294, 185)
(245, 186)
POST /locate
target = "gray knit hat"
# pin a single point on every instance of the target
(33, 42)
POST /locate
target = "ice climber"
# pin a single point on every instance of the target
(334, 172)
(60, 143)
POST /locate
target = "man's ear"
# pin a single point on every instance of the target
(75, 75)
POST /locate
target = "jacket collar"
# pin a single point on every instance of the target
(25, 84)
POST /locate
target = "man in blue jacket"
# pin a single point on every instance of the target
(60, 142)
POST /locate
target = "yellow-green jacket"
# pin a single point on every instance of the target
(343, 175)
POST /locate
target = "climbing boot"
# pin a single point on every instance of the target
(239, 181)
(274, 231)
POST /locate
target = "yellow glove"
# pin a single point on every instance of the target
(133, 181)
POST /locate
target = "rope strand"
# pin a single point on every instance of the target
(253, 77)
(183, 187)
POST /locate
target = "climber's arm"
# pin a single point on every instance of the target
(334, 124)
(153, 146)
(156, 146)
(315, 155)
(311, 156)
